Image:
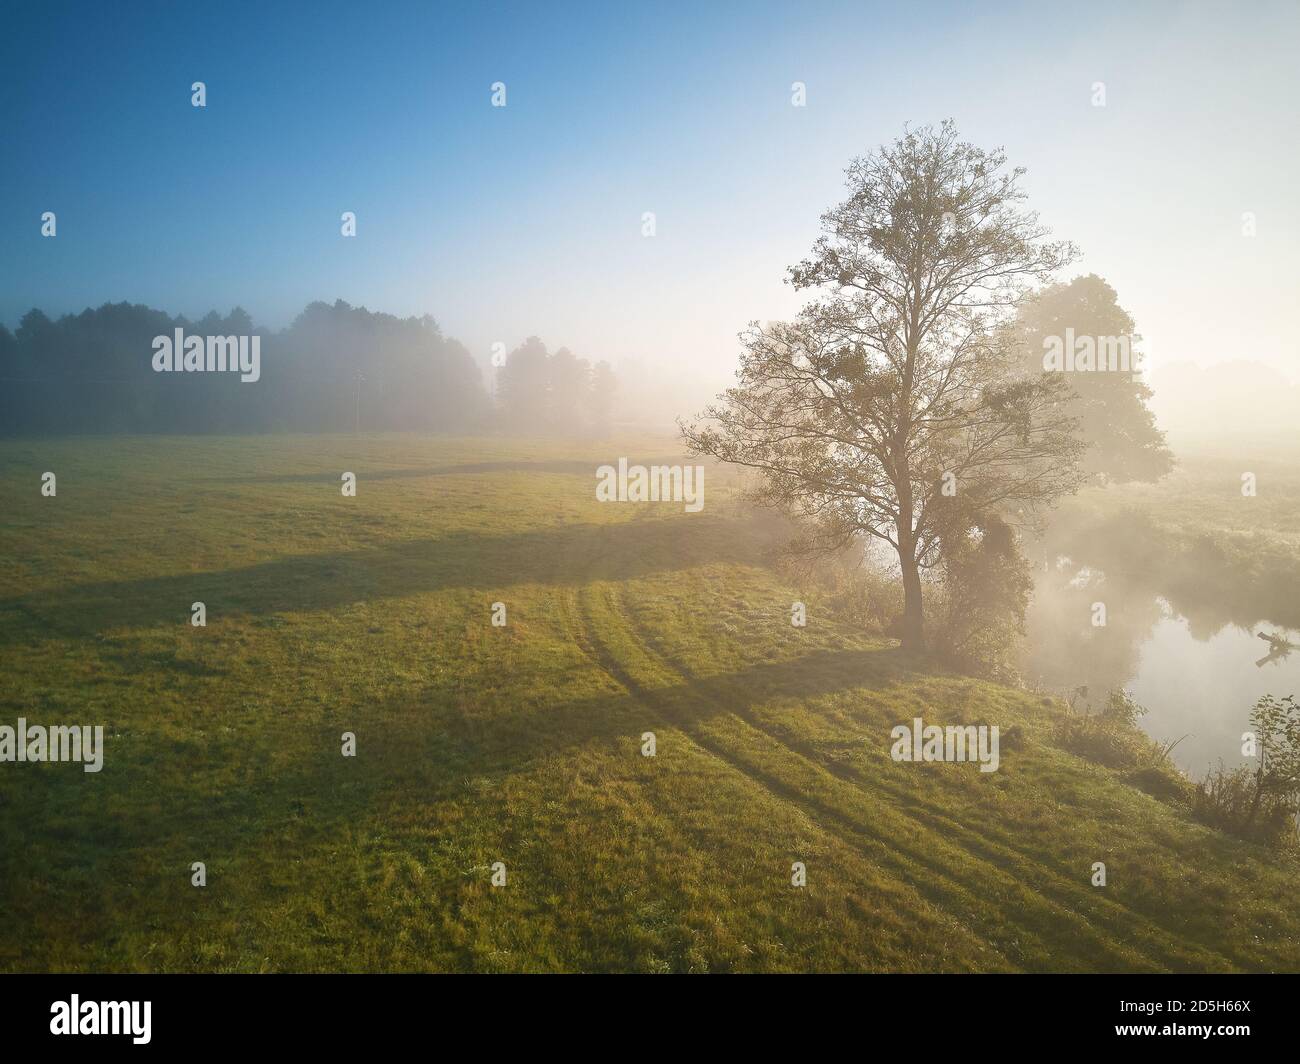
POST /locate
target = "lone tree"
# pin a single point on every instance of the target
(893, 406)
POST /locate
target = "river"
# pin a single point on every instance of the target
(1197, 676)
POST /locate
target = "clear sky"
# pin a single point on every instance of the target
(501, 222)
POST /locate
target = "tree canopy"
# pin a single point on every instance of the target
(1109, 404)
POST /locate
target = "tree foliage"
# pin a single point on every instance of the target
(540, 392)
(1110, 406)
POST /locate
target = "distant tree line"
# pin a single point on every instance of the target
(542, 392)
(336, 368)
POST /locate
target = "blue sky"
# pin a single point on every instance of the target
(527, 219)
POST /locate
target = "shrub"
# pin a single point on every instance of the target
(851, 581)
(1232, 801)
(1113, 738)
(1260, 803)
(977, 611)
(1162, 782)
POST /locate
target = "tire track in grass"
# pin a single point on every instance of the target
(900, 889)
(958, 901)
(1027, 898)
(995, 855)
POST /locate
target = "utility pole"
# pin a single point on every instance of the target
(360, 381)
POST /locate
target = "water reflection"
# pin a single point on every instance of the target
(1195, 664)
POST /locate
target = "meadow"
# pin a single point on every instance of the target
(522, 744)
(1201, 536)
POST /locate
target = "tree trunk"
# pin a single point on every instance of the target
(913, 622)
(1259, 790)
(913, 626)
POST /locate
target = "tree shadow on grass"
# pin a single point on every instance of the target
(568, 556)
(586, 468)
(421, 764)
(415, 750)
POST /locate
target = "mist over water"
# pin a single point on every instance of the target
(1197, 676)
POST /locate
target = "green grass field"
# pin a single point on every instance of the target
(522, 744)
(1204, 491)
(1195, 538)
